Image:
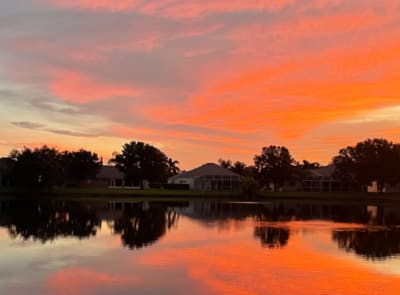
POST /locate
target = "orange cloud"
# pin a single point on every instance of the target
(273, 72)
(79, 88)
(169, 135)
(292, 97)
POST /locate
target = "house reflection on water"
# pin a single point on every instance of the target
(141, 224)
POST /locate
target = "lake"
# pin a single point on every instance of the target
(199, 247)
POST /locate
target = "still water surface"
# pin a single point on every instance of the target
(199, 248)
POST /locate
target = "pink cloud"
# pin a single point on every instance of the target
(113, 5)
(197, 8)
(234, 83)
(80, 88)
(176, 9)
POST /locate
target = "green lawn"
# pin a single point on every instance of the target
(92, 194)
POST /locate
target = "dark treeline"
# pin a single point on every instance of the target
(373, 160)
(46, 167)
(272, 169)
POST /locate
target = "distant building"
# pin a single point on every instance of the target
(388, 188)
(322, 180)
(209, 177)
(110, 176)
(5, 166)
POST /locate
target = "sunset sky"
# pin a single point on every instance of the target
(200, 79)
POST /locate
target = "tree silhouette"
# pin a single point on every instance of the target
(371, 160)
(47, 167)
(80, 166)
(275, 165)
(239, 168)
(140, 161)
(227, 164)
(173, 168)
(38, 168)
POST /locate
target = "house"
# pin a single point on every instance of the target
(5, 166)
(209, 177)
(388, 188)
(321, 180)
(110, 176)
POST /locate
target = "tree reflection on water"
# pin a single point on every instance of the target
(142, 227)
(378, 244)
(46, 222)
(142, 224)
(272, 237)
(138, 227)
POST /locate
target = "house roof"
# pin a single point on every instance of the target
(326, 171)
(110, 172)
(209, 169)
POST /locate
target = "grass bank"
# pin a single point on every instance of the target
(121, 195)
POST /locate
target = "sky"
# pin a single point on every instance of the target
(199, 79)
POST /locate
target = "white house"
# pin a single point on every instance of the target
(209, 177)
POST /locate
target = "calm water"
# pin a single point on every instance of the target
(199, 248)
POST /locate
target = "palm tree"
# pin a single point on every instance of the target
(173, 169)
(227, 164)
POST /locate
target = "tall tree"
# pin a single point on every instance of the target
(140, 161)
(274, 165)
(80, 166)
(373, 160)
(38, 168)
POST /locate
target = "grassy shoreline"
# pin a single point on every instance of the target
(161, 194)
(105, 194)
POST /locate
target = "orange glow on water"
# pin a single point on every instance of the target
(214, 254)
